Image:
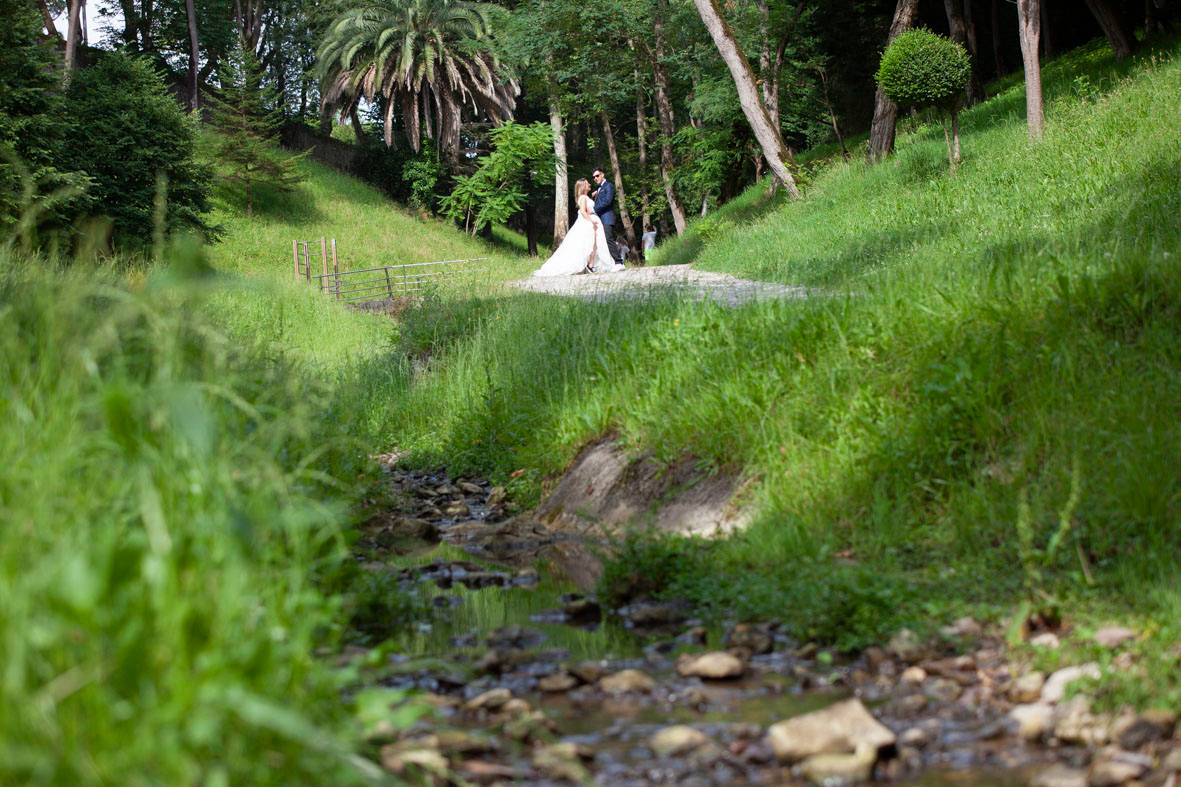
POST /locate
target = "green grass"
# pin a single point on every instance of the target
(975, 339)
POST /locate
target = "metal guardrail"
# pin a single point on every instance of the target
(373, 285)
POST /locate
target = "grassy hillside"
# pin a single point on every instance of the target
(989, 356)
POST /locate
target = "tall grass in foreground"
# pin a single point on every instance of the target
(1000, 336)
(172, 504)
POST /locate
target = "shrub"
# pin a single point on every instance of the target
(125, 131)
(921, 69)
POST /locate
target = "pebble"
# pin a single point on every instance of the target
(1028, 687)
(1060, 776)
(489, 700)
(718, 665)
(1112, 637)
(1075, 723)
(470, 488)
(1113, 768)
(1033, 721)
(557, 682)
(915, 736)
(963, 627)
(905, 645)
(913, 675)
(1055, 688)
(1047, 640)
(1152, 725)
(1172, 760)
(835, 770)
(676, 740)
(628, 681)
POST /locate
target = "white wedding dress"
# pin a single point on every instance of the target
(585, 244)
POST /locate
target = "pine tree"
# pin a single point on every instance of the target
(249, 114)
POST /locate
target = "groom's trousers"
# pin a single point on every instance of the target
(612, 246)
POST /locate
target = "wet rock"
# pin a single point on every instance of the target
(676, 740)
(491, 700)
(1152, 725)
(1032, 722)
(465, 743)
(482, 579)
(650, 614)
(1114, 767)
(526, 577)
(1111, 637)
(910, 704)
(913, 675)
(400, 759)
(557, 682)
(1055, 688)
(1059, 775)
(628, 681)
(562, 761)
(718, 665)
(1172, 760)
(965, 628)
(470, 488)
(905, 645)
(482, 772)
(839, 728)
(754, 639)
(529, 727)
(456, 510)
(942, 689)
(1047, 640)
(916, 737)
(409, 527)
(1075, 723)
(588, 671)
(834, 770)
(1028, 687)
(516, 707)
(580, 609)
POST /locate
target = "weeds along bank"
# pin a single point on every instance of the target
(174, 508)
(987, 344)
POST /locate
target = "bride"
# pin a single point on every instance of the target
(585, 246)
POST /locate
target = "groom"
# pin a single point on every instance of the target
(604, 197)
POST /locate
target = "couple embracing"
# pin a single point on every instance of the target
(589, 246)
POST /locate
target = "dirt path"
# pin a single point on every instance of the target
(662, 280)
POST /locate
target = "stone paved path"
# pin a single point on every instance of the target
(658, 280)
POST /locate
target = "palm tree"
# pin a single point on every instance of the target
(427, 58)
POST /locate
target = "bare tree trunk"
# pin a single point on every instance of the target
(561, 174)
(642, 142)
(1121, 39)
(358, 130)
(832, 115)
(194, 56)
(1048, 49)
(885, 112)
(47, 19)
(1029, 22)
(72, 32)
(766, 132)
(664, 111)
(629, 229)
(957, 21)
(998, 58)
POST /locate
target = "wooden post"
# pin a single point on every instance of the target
(324, 263)
(307, 263)
(335, 269)
(389, 285)
(295, 257)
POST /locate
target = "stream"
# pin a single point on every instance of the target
(531, 683)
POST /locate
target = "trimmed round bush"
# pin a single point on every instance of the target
(923, 69)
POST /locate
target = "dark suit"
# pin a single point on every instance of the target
(605, 209)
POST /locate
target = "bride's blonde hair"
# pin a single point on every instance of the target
(581, 187)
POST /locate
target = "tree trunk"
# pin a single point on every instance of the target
(72, 32)
(358, 129)
(998, 58)
(1029, 22)
(1048, 49)
(766, 132)
(561, 173)
(194, 57)
(836, 129)
(1121, 39)
(642, 143)
(629, 229)
(47, 19)
(145, 26)
(885, 112)
(957, 22)
(664, 111)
